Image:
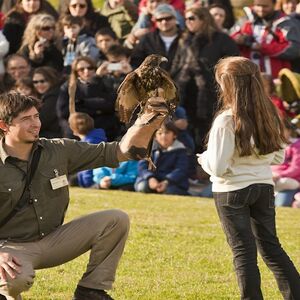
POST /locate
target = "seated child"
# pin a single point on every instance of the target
(82, 126)
(76, 42)
(121, 178)
(287, 175)
(171, 161)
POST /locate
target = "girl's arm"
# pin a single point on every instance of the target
(221, 144)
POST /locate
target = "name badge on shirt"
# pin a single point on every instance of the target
(59, 181)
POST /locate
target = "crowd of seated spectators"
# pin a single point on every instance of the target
(74, 58)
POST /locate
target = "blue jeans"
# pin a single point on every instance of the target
(248, 219)
(206, 192)
(285, 198)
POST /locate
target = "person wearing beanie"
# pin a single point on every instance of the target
(163, 41)
(146, 21)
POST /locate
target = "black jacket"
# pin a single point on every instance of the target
(52, 57)
(13, 30)
(151, 43)
(50, 125)
(192, 70)
(221, 46)
(94, 99)
(295, 19)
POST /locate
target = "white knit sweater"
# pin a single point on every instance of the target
(229, 171)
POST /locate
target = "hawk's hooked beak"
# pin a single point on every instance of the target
(164, 59)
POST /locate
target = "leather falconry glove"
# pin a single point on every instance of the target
(137, 142)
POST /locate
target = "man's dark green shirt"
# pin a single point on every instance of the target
(47, 207)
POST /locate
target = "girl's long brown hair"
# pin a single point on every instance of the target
(254, 115)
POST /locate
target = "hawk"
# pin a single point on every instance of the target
(142, 84)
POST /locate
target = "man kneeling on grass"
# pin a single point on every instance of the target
(34, 196)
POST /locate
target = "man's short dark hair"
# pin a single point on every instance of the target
(118, 50)
(171, 127)
(13, 103)
(106, 31)
(70, 20)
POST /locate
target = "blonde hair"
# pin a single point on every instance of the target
(254, 115)
(35, 24)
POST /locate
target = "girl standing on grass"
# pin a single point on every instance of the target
(247, 136)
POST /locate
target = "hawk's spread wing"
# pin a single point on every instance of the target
(128, 97)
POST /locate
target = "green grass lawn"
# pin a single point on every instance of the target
(175, 250)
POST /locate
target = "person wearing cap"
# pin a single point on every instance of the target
(146, 22)
(163, 41)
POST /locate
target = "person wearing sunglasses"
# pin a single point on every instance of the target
(206, 38)
(84, 9)
(163, 40)
(219, 13)
(40, 43)
(18, 17)
(46, 82)
(91, 97)
(200, 48)
(146, 21)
